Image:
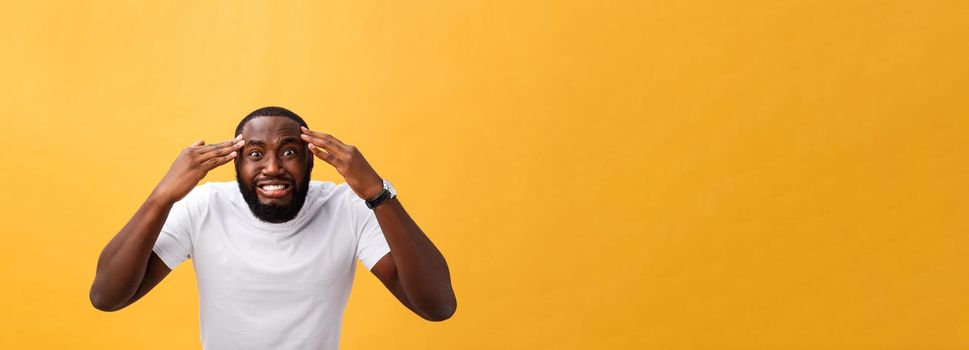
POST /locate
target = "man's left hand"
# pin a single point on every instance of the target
(347, 160)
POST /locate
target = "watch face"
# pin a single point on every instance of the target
(390, 188)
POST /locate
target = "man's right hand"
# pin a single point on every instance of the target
(191, 166)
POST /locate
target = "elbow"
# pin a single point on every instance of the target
(441, 313)
(103, 304)
(107, 308)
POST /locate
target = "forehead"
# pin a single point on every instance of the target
(270, 128)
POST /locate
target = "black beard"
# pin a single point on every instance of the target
(273, 213)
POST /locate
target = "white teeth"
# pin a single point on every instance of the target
(273, 187)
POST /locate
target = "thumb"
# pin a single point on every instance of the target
(198, 143)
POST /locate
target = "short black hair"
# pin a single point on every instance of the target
(271, 111)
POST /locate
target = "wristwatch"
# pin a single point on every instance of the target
(382, 197)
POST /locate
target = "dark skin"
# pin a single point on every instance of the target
(278, 150)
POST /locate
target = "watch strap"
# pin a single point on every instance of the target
(381, 198)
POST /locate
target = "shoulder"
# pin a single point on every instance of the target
(328, 192)
(211, 193)
(218, 187)
(209, 190)
(328, 198)
(341, 189)
(198, 199)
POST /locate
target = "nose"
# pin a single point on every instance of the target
(272, 167)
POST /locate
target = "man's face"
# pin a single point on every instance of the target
(273, 168)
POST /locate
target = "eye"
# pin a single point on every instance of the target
(255, 154)
(289, 152)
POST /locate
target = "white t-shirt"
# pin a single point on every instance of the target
(271, 286)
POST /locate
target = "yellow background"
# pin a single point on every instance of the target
(600, 174)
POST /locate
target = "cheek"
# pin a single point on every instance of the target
(246, 171)
(297, 169)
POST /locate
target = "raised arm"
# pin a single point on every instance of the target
(127, 268)
(414, 270)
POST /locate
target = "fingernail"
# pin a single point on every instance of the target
(238, 136)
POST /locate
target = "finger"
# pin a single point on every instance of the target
(222, 149)
(210, 147)
(219, 161)
(324, 141)
(207, 152)
(197, 143)
(321, 135)
(321, 154)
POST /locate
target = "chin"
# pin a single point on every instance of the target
(274, 201)
(275, 210)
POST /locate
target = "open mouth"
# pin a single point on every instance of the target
(272, 189)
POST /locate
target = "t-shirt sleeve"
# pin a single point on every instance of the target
(371, 244)
(174, 243)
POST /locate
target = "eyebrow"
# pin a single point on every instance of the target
(289, 139)
(285, 140)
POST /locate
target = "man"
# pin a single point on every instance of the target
(274, 252)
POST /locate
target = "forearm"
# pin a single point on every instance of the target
(421, 269)
(123, 262)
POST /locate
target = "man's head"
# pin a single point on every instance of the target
(273, 168)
